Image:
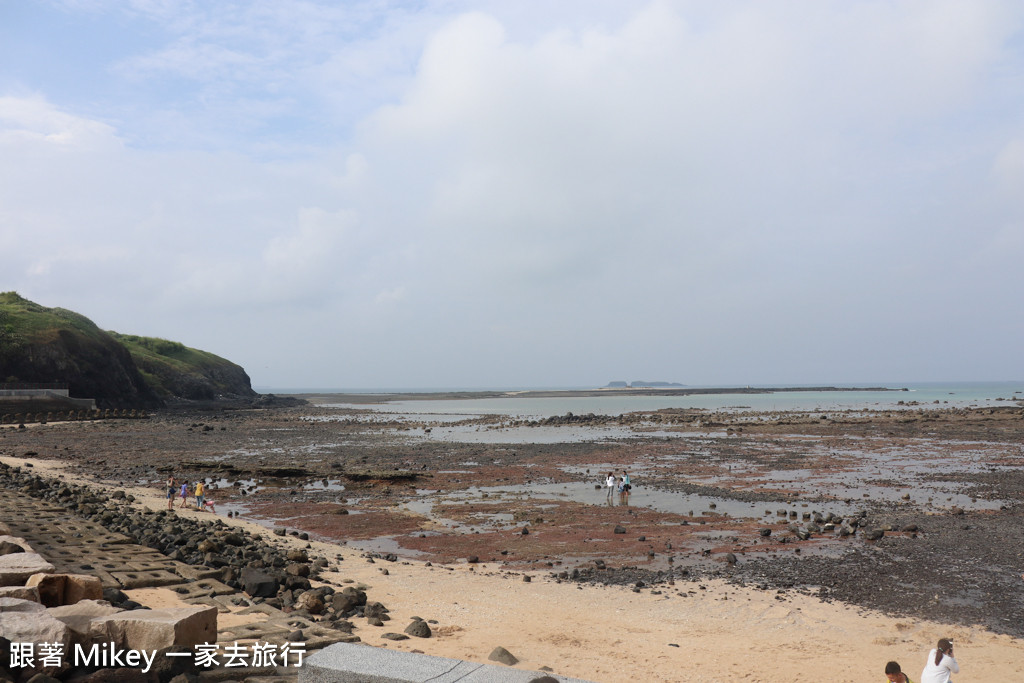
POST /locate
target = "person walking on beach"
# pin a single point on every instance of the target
(895, 674)
(199, 495)
(941, 664)
(184, 494)
(610, 484)
(171, 488)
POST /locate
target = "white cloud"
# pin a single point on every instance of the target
(29, 120)
(558, 186)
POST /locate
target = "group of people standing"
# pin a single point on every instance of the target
(186, 491)
(939, 667)
(621, 484)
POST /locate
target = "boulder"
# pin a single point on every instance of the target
(310, 602)
(157, 629)
(342, 603)
(502, 656)
(297, 569)
(375, 609)
(418, 628)
(17, 567)
(258, 584)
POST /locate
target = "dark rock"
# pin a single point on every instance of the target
(258, 584)
(502, 656)
(418, 628)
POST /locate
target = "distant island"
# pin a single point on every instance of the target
(642, 384)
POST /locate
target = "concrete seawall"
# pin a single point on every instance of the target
(60, 395)
(358, 663)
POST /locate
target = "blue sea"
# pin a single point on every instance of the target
(901, 396)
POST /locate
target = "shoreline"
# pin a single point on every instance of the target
(391, 486)
(708, 630)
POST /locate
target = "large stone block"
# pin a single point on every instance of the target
(66, 589)
(79, 616)
(20, 592)
(11, 604)
(157, 629)
(24, 621)
(50, 587)
(16, 568)
(11, 544)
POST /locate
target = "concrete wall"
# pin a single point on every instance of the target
(358, 663)
(37, 393)
(61, 395)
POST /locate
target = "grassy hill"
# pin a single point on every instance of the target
(177, 371)
(40, 344)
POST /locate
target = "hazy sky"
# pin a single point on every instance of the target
(528, 193)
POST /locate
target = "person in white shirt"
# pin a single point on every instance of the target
(940, 664)
(610, 483)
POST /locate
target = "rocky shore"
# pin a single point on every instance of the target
(263, 576)
(914, 513)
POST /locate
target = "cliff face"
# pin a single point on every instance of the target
(176, 371)
(39, 344)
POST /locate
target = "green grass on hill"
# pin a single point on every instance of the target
(165, 352)
(24, 322)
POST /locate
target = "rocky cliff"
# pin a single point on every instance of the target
(176, 371)
(39, 344)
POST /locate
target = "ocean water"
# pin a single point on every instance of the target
(960, 394)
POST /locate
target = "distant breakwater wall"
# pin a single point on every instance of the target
(42, 417)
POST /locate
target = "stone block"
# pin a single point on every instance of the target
(158, 629)
(195, 572)
(50, 587)
(65, 589)
(9, 543)
(78, 616)
(16, 568)
(24, 621)
(21, 593)
(8, 604)
(146, 579)
(80, 587)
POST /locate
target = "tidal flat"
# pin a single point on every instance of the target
(915, 512)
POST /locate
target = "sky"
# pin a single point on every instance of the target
(383, 194)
